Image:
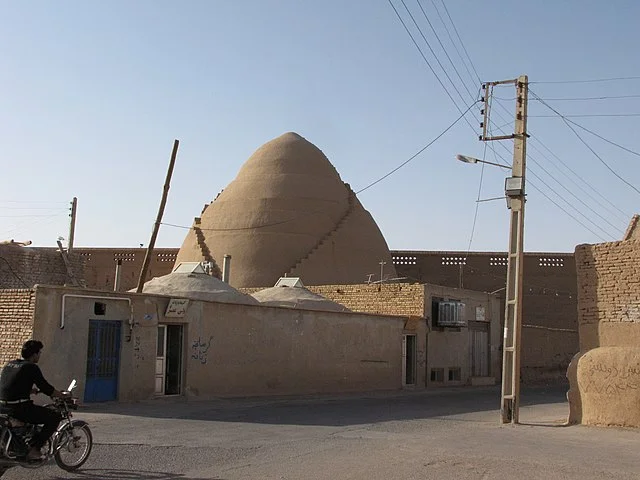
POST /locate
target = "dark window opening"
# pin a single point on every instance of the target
(100, 308)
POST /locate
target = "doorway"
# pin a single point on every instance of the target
(169, 360)
(479, 349)
(103, 361)
(408, 360)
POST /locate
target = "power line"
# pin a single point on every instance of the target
(613, 79)
(427, 61)
(604, 139)
(580, 99)
(446, 29)
(575, 174)
(32, 215)
(578, 176)
(431, 49)
(587, 115)
(545, 195)
(532, 172)
(29, 201)
(419, 151)
(618, 229)
(461, 42)
(444, 49)
(13, 272)
(587, 145)
(359, 191)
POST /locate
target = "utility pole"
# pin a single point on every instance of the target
(382, 264)
(156, 225)
(515, 193)
(72, 224)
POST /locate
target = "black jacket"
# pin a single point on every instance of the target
(17, 380)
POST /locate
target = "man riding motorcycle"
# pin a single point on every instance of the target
(16, 385)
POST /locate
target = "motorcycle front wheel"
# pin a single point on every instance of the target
(73, 446)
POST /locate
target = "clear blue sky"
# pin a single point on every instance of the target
(93, 94)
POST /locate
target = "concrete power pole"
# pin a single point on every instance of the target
(515, 194)
(515, 191)
(72, 224)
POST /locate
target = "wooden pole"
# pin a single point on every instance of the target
(72, 224)
(156, 226)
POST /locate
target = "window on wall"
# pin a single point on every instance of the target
(454, 374)
(437, 375)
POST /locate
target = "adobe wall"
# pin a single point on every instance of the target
(228, 349)
(633, 230)
(444, 348)
(550, 336)
(16, 321)
(605, 375)
(23, 267)
(386, 299)
(550, 320)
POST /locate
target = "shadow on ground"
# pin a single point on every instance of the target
(109, 474)
(334, 411)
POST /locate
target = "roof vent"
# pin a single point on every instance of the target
(190, 267)
(289, 282)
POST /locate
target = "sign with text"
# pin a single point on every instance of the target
(177, 307)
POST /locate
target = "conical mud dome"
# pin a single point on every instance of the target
(288, 213)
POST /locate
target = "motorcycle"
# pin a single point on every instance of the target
(70, 445)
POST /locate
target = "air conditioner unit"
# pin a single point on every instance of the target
(451, 314)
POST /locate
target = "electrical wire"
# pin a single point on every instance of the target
(533, 185)
(460, 40)
(588, 115)
(431, 49)
(586, 144)
(359, 191)
(580, 99)
(427, 61)
(419, 151)
(14, 273)
(446, 29)
(534, 174)
(424, 13)
(578, 176)
(613, 79)
(633, 152)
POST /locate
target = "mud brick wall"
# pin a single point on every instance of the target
(23, 267)
(386, 299)
(608, 294)
(16, 321)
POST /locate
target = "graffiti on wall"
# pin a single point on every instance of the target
(137, 350)
(612, 380)
(200, 348)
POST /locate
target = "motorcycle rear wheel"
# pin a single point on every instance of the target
(73, 446)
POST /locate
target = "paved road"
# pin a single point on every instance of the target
(446, 434)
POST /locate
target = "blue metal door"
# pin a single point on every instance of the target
(103, 361)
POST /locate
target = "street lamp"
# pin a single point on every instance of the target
(467, 159)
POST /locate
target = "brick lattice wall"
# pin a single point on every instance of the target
(16, 321)
(23, 267)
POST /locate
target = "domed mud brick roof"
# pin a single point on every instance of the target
(288, 213)
(297, 297)
(196, 285)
